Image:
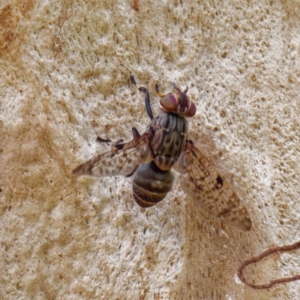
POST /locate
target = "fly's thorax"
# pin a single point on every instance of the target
(151, 184)
(169, 139)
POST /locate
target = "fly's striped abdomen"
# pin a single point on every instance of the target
(151, 184)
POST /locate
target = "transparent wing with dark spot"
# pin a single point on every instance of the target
(123, 159)
(203, 183)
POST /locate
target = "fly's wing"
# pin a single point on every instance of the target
(202, 182)
(123, 159)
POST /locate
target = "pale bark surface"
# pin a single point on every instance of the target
(64, 76)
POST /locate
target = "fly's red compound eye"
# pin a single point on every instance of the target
(169, 103)
(191, 110)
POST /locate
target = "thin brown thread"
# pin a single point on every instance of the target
(260, 257)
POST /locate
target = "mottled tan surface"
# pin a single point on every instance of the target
(64, 79)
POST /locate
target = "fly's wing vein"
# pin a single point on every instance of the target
(122, 160)
(203, 183)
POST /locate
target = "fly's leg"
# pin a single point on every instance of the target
(119, 144)
(147, 97)
(101, 140)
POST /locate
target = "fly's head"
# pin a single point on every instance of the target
(178, 103)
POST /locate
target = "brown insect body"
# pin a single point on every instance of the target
(154, 180)
(164, 145)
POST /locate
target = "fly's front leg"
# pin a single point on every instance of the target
(147, 97)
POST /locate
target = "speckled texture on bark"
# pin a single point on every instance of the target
(64, 76)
